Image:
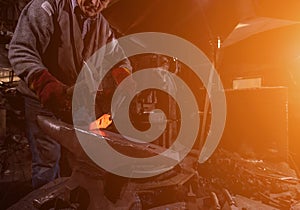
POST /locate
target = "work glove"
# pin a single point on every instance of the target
(119, 74)
(104, 97)
(52, 94)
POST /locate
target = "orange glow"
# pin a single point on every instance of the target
(101, 123)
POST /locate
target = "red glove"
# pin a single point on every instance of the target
(119, 74)
(50, 91)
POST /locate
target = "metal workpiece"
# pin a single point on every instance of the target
(118, 192)
(225, 181)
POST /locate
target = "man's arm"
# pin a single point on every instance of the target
(31, 38)
(123, 68)
(30, 41)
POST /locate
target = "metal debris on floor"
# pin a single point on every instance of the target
(226, 181)
(15, 156)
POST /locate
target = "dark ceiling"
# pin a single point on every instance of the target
(202, 21)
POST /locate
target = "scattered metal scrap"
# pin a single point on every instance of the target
(12, 130)
(15, 156)
(275, 184)
(226, 181)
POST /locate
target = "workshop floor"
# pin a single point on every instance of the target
(15, 156)
(15, 178)
(271, 181)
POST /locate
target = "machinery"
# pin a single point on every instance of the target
(226, 181)
(90, 187)
(181, 187)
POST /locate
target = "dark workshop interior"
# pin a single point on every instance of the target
(254, 47)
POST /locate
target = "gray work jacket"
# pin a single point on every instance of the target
(48, 36)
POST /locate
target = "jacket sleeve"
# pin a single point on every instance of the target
(115, 50)
(125, 63)
(31, 38)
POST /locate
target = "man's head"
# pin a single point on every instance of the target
(91, 8)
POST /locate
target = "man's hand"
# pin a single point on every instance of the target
(51, 92)
(119, 74)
